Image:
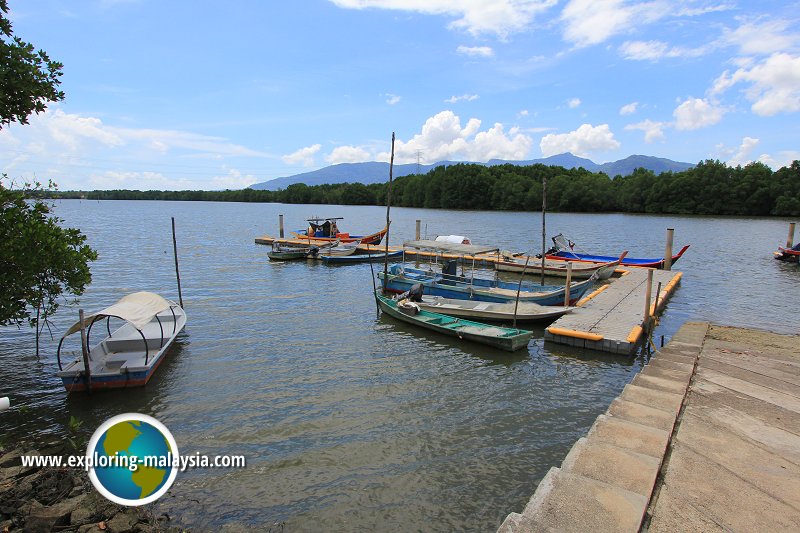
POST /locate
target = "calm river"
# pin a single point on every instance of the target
(351, 422)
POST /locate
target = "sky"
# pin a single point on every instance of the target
(180, 94)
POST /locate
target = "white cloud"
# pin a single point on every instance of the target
(573, 103)
(348, 154)
(443, 137)
(462, 98)
(783, 159)
(655, 50)
(523, 113)
(581, 142)
(498, 17)
(629, 109)
(475, 51)
(590, 22)
(653, 131)
(392, 99)
(763, 38)
(742, 156)
(696, 113)
(774, 84)
(303, 156)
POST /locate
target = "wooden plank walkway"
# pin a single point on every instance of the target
(705, 438)
(611, 319)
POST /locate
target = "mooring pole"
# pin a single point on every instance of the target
(419, 222)
(668, 251)
(567, 288)
(388, 222)
(280, 226)
(544, 211)
(648, 293)
(87, 372)
(177, 270)
(790, 239)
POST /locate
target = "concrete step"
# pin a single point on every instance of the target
(657, 362)
(681, 376)
(629, 435)
(641, 414)
(661, 384)
(666, 401)
(616, 466)
(578, 503)
(691, 333)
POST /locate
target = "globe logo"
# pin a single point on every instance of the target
(132, 459)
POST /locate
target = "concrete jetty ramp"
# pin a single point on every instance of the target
(705, 438)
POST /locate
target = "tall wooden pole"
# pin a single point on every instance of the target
(417, 233)
(177, 270)
(647, 295)
(544, 231)
(790, 239)
(280, 226)
(388, 222)
(668, 251)
(87, 371)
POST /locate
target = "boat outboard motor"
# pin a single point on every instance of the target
(415, 292)
(313, 251)
(450, 267)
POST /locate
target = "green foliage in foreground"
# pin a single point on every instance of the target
(39, 260)
(710, 188)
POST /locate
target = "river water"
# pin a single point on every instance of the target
(350, 422)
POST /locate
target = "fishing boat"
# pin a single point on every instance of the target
(509, 339)
(400, 279)
(448, 284)
(377, 257)
(326, 230)
(290, 252)
(564, 251)
(129, 356)
(500, 312)
(337, 249)
(790, 255)
(581, 270)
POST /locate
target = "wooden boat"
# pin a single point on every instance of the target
(501, 312)
(563, 252)
(400, 279)
(287, 252)
(129, 356)
(580, 270)
(790, 255)
(339, 249)
(508, 339)
(326, 230)
(377, 257)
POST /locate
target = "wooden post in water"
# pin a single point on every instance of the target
(177, 270)
(280, 226)
(544, 232)
(790, 239)
(668, 251)
(567, 288)
(388, 222)
(418, 228)
(87, 371)
(648, 293)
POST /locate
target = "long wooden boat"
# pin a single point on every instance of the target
(400, 279)
(326, 230)
(501, 312)
(377, 257)
(581, 270)
(790, 255)
(563, 251)
(130, 355)
(287, 254)
(337, 249)
(509, 339)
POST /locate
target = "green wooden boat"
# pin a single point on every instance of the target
(508, 339)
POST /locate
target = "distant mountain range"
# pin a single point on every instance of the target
(374, 172)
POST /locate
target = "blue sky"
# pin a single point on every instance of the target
(212, 95)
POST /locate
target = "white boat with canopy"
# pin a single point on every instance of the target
(129, 356)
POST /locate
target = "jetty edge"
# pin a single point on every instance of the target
(706, 437)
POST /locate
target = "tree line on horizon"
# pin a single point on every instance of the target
(710, 188)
